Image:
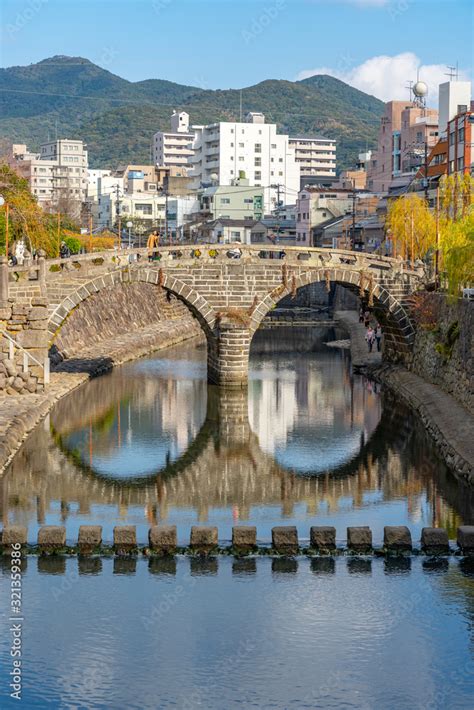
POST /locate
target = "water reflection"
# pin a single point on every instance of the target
(311, 444)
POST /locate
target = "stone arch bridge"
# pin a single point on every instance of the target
(228, 288)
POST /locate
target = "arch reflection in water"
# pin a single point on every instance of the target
(223, 458)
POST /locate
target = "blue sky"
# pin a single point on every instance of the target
(373, 44)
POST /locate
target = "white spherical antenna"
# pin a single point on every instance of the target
(214, 177)
(420, 89)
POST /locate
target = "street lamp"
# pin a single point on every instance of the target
(129, 226)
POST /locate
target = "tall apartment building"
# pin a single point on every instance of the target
(405, 129)
(222, 151)
(316, 156)
(57, 175)
(174, 149)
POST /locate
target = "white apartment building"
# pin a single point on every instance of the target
(150, 208)
(223, 151)
(174, 149)
(316, 155)
(57, 175)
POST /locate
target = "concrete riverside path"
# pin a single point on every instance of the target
(448, 422)
(360, 355)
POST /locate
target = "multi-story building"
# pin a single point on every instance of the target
(236, 201)
(316, 205)
(57, 175)
(407, 131)
(174, 149)
(460, 142)
(147, 207)
(223, 150)
(316, 156)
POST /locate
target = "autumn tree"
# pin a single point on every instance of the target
(412, 226)
(457, 247)
(26, 219)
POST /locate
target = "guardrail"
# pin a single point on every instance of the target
(43, 269)
(27, 356)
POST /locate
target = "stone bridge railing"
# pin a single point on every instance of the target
(42, 269)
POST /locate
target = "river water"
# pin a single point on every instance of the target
(310, 443)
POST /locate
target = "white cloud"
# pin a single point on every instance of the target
(387, 77)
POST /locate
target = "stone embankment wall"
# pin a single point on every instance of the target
(27, 325)
(123, 308)
(443, 352)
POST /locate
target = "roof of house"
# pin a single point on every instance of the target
(232, 222)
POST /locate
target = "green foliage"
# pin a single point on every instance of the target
(118, 117)
(74, 244)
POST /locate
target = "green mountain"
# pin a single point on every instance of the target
(74, 98)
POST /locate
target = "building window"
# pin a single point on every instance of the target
(258, 175)
(145, 209)
(241, 145)
(451, 166)
(461, 163)
(258, 147)
(258, 161)
(248, 200)
(225, 201)
(461, 135)
(452, 138)
(241, 158)
(235, 234)
(274, 145)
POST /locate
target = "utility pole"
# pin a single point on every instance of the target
(437, 239)
(426, 171)
(354, 197)
(117, 214)
(166, 215)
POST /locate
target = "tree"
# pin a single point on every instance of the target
(412, 225)
(457, 248)
(26, 218)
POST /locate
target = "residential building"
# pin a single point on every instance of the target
(315, 155)
(180, 211)
(174, 149)
(454, 99)
(227, 231)
(223, 150)
(236, 201)
(460, 143)
(272, 230)
(57, 175)
(147, 207)
(355, 179)
(407, 129)
(316, 205)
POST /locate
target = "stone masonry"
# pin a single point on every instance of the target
(228, 296)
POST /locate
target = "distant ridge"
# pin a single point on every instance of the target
(117, 118)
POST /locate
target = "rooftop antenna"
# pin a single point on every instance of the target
(453, 72)
(409, 87)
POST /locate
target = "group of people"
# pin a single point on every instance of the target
(373, 334)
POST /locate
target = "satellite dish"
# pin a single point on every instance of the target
(420, 89)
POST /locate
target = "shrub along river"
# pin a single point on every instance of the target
(311, 443)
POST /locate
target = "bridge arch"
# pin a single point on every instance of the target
(398, 328)
(195, 303)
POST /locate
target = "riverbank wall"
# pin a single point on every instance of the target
(21, 413)
(443, 352)
(444, 415)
